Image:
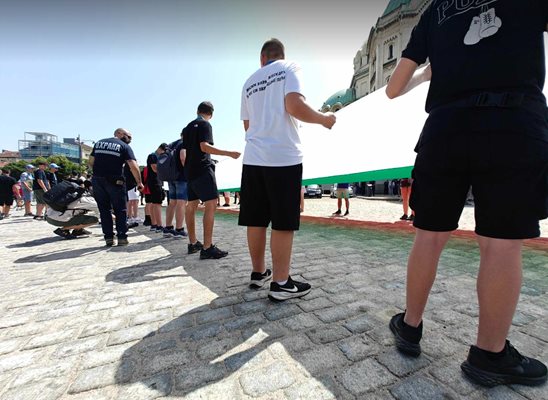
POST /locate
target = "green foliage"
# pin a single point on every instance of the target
(67, 167)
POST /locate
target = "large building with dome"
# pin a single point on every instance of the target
(376, 59)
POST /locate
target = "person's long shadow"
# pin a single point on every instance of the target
(240, 330)
(70, 254)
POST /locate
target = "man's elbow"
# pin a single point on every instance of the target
(391, 93)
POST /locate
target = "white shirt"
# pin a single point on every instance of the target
(272, 139)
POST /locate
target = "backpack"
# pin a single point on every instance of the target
(129, 178)
(168, 165)
(62, 194)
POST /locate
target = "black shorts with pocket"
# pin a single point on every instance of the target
(271, 194)
(204, 187)
(156, 196)
(502, 153)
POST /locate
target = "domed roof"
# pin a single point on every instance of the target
(344, 97)
(394, 4)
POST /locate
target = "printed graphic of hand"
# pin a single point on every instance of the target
(329, 120)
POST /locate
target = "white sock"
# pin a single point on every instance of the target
(281, 283)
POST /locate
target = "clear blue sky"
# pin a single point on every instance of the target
(78, 67)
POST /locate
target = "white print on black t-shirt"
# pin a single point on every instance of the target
(487, 24)
(262, 85)
(450, 8)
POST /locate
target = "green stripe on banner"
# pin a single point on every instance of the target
(379, 175)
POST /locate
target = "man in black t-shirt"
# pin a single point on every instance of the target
(7, 191)
(487, 129)
(155, 195)
(109, 189)
(52, 174)
(40, 185)
(200, 171)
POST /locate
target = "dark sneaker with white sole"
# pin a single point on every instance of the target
(123, 242)
(291, 290)
(109, 242)
(505, 368)
(80, 232)
(258, 280)
(407, 337)
(194, 248)
(212, 253)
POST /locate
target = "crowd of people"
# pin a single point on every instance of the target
(480, 102)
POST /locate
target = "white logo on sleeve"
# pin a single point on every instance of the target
(487, 24)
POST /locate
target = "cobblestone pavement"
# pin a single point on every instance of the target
(80, 321)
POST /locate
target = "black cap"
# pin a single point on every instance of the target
(163, 146)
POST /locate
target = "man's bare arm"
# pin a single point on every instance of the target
(182, 156)
(297, 107)
(207, 148)
(406, 77)
(134, 168)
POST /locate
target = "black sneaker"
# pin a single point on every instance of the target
(147, 221)
(213, 252)
(504, 368)
(291, 290)
(411, 217)
(194, 248)
(123, 242)
(109, 242)
(404, 217)
(64, 233)
(61, 232)
(338, 212)
(80, 232)
(258, 280)
(346, 213)
(131, 225)
(407, 337)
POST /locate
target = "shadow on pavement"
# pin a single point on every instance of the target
(230, 341)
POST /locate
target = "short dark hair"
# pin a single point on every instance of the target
(42, 163)
(163, 146)
(5, 171)
(205, 107)
(273, 49)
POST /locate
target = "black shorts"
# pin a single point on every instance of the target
(6, 200)
(204, 187)
(271, 194)
(156, 196)
(502, 153)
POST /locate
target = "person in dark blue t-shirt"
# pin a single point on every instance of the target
(107, 160)
(155, 195)
(200, 171)
(40, 185)
(487, 129)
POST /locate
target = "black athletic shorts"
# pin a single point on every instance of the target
(6, 200)
(271, 194)
(502, 153)
(156, 196)
(204, 187)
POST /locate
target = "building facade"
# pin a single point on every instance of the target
(42, 144)
(375, 61)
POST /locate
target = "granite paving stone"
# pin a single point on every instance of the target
(149, 321)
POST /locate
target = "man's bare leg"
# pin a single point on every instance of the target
(256, 242)
(281, 245)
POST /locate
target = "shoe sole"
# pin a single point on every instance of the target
(490, 379)
(257, 284)
(404, 346)
(202, 257)
(283, 296)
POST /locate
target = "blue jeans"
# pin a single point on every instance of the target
(111, 198)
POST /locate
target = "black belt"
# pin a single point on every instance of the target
(497, 100)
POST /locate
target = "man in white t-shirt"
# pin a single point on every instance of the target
(272, 104)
